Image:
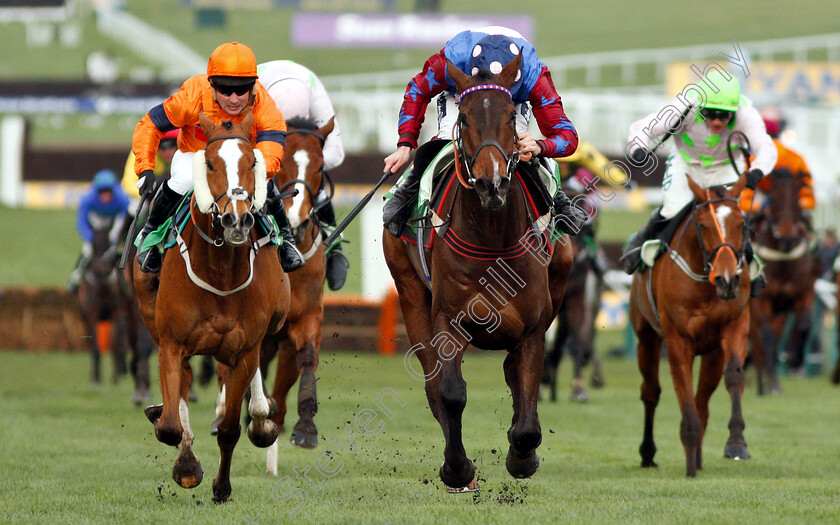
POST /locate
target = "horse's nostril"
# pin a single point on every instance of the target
(247, 221)
(228, 220)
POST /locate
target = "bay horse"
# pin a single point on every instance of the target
(490, 300)
(100, 301)
(695, 299)
(576, 324)
(297, 344)
(218, 296)
(784, 243)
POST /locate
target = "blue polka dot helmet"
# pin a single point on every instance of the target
(493, 52)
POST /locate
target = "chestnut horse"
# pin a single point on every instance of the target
(100, 299)
(296, 345)
(784, 243)
(695, 300)
(218, 296)
(492, 299)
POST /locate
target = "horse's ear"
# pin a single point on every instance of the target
(698, 192)
(738, 187)
(326, 129)
(207, 125)
(509, 73)
(461, 79)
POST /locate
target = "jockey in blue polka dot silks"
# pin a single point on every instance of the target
(533, 90)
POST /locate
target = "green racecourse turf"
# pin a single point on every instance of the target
(77, 454)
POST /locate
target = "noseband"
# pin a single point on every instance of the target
(511, 160)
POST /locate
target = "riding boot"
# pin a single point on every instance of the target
(162, 207)
(570, 217)
(337, 264)
(631, 256)
(398, 208)
(290, 257)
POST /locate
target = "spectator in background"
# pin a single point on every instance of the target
(105, 200)
(298, 93)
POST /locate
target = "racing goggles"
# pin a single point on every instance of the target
(717, 114)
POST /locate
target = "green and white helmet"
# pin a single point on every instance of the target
(728, 97)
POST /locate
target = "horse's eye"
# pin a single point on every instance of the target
(254, 164)
(462, 119)
(209, 165)
(513, 117)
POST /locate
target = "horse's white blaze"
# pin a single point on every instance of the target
(496, 171)
(184, 413)
(258, 407)
(271, 459)
(302, 162)
(230, 153)
(220, 403)
(722, 213)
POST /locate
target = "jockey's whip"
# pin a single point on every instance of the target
(673, 129)
(352, 215)
(132, 229)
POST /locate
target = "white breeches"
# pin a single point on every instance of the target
(181, 170)
(675, 191)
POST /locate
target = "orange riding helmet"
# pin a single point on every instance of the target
(232, 60)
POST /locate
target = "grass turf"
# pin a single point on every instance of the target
(79, 454)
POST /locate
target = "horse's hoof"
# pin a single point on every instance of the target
(471, 487)
(153, 413)
(141, 396)
(304, 435)
(597, 381)
(461, 478)
(520, 467)
(221, 492)
(736, 452)
(214, 427)
(304, 439)
(272, 407)
(649, 463)
(265, 436)
(169, 437)
(579, 395)
(187, 471)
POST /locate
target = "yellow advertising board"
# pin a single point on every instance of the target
(800, 81)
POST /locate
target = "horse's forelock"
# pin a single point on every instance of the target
(301, 123)
(201, 188)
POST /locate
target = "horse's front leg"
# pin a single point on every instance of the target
(187, 471)
(711, 370)
(166, 416)
(680, 359)
(262, 431)
(237, 380)
(306, 337)
(457, 470)
(735, 346)
(523, 368)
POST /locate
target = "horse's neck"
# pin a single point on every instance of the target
(490, 229)
(688, 245)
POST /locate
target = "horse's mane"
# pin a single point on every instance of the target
(301, 123)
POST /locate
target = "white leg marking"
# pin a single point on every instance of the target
(220, 403)
(271, 459)
(184, 413)
(258, 407)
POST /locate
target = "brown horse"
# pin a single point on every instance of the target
(491, 299)
(296, 345)
(100, 300)
(576, 325)
(218, 296)
(783, 242)
(695, 300)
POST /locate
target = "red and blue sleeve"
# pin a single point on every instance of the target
(427, 84)
(561, 138)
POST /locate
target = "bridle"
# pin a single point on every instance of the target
(711, 257)
(511, 160)
(235, 194)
